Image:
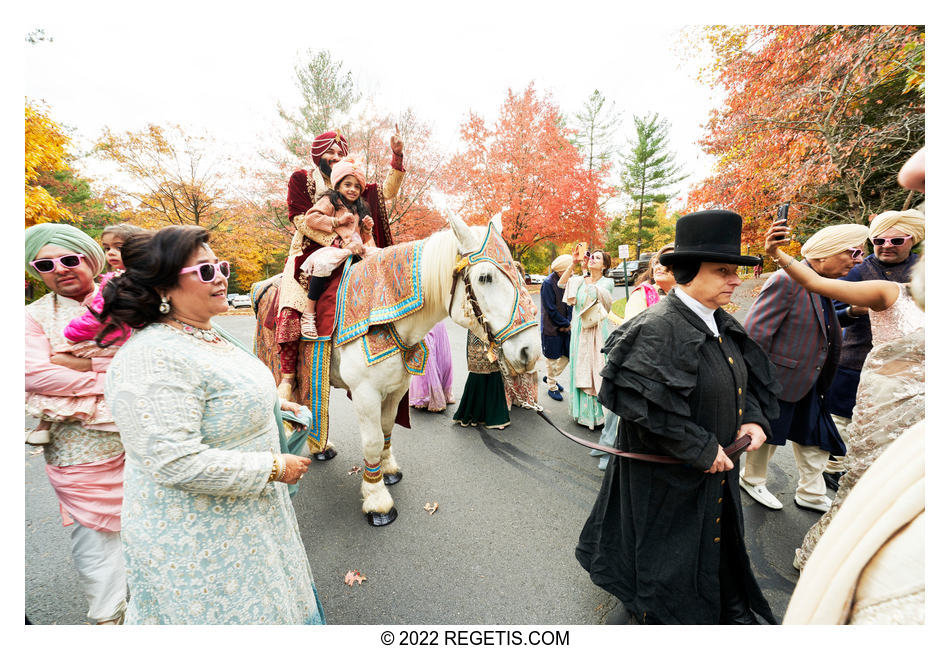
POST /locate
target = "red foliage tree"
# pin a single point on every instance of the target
(821, 116)
(525, 166)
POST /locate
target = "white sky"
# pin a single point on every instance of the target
(224, 71)
(223, 66)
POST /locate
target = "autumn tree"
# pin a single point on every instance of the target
(649, 168)
(820, 116)
(165, 176)
(45, 153)
(327, 92)
(525, 166)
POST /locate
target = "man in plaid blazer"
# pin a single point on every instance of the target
(800, 332)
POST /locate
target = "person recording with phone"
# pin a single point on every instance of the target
(800, 332)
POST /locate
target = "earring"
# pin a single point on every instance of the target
(166, 305)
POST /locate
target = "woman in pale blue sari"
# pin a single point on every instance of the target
(591, 295)
(209, 534)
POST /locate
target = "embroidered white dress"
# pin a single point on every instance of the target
(207, 539)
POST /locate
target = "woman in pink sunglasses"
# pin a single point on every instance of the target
(208, 530)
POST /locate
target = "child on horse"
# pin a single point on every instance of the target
(344, 217)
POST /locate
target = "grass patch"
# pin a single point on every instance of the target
(619, 305)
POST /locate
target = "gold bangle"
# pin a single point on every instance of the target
(275, 468)
(283, 468)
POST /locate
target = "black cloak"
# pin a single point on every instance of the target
(656, 532)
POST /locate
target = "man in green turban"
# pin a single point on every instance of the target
(84, 463)
(48, 241)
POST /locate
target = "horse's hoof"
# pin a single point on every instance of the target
(326, 454)
(381, 518)
(392, 479)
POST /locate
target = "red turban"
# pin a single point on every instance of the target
(324, 141)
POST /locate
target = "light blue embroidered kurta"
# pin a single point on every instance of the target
(207, 539)
(585, 409)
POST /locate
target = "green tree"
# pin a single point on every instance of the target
(649, 168)
(654, 228)
(327, 93)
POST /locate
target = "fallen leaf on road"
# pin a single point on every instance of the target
(354, 470)
(431, 507)
(38, 450)
(352, 577)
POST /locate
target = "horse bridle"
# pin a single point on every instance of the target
(462, 270)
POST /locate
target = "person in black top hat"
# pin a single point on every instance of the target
(667, 539)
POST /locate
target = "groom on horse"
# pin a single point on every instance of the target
(295, 365)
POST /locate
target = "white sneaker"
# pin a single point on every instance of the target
(760, 494)
(817, 506)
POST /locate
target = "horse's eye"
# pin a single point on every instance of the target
(484, 278)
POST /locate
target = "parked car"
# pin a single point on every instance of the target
(616, 274)
(232, 296)
(536, 278)
(241, 300)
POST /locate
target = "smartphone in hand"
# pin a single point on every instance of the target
(782, 213)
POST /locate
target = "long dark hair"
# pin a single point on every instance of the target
(358, 206)
(153, 262)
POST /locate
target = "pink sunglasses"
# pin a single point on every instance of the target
(207, 272)
(46, 265)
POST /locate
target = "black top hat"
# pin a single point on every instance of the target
(709, 236)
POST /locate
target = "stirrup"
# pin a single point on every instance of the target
(308, 327)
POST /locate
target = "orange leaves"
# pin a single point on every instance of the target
(45, 151)
(808, 117)
(524, 166)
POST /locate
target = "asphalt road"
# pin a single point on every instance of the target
(499, 549)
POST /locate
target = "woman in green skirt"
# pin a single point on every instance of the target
(483, 399)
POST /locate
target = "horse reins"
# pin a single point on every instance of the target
(732, 451)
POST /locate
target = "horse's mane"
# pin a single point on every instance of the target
(438, 260)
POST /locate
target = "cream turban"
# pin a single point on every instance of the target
(910, 222)
(561, 262)
(834, 239)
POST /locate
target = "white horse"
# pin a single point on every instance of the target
(481, 298)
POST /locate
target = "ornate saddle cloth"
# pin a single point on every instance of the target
(376, 292)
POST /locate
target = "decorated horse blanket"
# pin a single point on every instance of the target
(383, 288)
(376, 292)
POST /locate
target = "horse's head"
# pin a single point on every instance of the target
(489, 296)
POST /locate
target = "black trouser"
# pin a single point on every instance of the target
(733, 601)
(317, 286)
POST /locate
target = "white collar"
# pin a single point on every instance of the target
(698, 308)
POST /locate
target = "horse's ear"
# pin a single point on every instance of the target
(467, 240)
(496, 221)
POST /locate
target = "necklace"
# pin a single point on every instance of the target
(208, 335)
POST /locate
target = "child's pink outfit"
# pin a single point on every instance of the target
(78, 340)
(321, 262)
